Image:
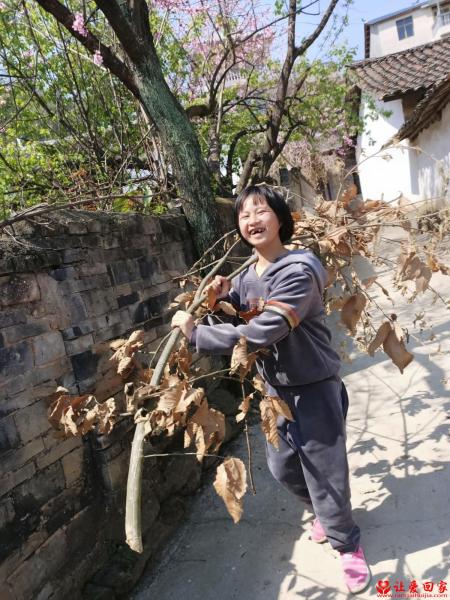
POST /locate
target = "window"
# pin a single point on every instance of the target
(444, 17)
(405, 28)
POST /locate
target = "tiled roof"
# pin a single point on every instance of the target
(426, 112)
(391, 76)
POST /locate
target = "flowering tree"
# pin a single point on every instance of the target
(197, 80)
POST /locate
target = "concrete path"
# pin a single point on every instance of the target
(399, 447)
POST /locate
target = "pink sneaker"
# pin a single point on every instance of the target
(356, 570)
(317, 533)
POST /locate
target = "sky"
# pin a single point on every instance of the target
(359, 12)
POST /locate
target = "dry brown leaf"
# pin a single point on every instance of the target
(231, 485)
(349, 194)
(211, 298)
(171, 395)
(206, 427)
(338, 303)
(269, 421)
(436, 266)
(281, 408)
(190, 397)
(184, 297)
(126, 366)
(106, 416)
(369, 281)
(395, 349)
(181, 358)
(129, 347)
(226, 307)
(351, 311)
(244, 407)
(382, 333)
(296, 216)
(331, 276)
(259, 384)
(328, 208)
(412, 268)
(76, 415)
(325, 246)
(116, 344)
(241, 361)
(336, 234)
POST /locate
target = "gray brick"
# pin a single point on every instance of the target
(73, 255)
(8, 434)
(14, 479)
(124, 271)
(76, 331)
(63, 273)
(79, 344)
(151, 225)
(94, 225)
(127, 299)
(77, 227)
(10, 404)
(51, 372)
(99, 302)
(32, 421)
(84, 365)
(15, 459)
(116, 471)
(20, 332)
(28, 580)
(77, 308)
(17, 289)
(47, 348)
(7, 512)
(58, 451)
(16, 359)
(111, 333)
(39, 489)
(72, 465)
(11, 317)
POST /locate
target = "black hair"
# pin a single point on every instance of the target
(276, 202)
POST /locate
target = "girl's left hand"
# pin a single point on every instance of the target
(184, 321)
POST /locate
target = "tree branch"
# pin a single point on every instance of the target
(92, 43)
(307, 42)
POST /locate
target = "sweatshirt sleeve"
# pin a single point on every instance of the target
(287, 304)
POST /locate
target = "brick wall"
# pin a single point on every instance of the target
(68, 285)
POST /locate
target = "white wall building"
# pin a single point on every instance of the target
(422, 23)
(411, 92)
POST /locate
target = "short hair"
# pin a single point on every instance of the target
(276, 202)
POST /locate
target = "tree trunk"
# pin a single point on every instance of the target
(181, 144)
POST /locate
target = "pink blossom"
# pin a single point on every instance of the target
(98, 58)
(78, 25)
(29, 53)
(348, 140)
(2, 6)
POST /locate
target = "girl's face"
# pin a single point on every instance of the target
(258, 223)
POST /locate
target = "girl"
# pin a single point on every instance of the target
(302, 368)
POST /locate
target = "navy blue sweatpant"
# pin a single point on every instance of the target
(312, 459)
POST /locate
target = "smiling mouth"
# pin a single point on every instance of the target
(257, 230)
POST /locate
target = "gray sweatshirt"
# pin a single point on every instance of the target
(291, 325)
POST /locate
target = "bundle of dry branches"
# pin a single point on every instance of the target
(165, 399)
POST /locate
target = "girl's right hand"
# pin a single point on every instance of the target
(221, 286)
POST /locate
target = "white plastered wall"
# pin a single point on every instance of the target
(431, 167)
(386, 174)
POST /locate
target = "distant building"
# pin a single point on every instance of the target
(408, 82)
(404, 29)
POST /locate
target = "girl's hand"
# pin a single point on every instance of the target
(184, 321)
(221, 286)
